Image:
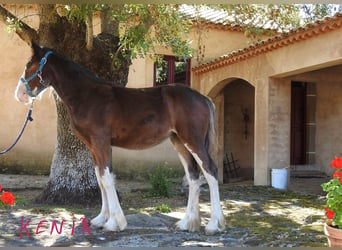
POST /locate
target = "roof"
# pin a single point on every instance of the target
(204, 12)
(217, 18)
(220, 19)
(317, 28)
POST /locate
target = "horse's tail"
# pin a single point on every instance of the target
(211, 138)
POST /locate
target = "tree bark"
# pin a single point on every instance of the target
(90, 32)
(72, 176)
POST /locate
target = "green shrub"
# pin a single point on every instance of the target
(164, 208)
(160, 183)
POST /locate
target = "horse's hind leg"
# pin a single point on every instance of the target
(209, 169)
(192, 219)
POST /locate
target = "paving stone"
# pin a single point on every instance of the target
(157, 229)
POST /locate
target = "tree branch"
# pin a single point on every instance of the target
(26, 32)
(90, 32)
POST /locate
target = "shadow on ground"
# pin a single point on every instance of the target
(255, 216)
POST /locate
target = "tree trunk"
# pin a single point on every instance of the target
(72, 177)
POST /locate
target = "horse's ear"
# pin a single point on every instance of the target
(36, 49)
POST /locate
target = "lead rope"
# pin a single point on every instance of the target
(28, 118)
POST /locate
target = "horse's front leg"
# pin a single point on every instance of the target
(111, 217)
(101, 219)
(116, 218)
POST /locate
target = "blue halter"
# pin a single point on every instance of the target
(38, 74)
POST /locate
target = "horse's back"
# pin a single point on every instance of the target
(188, 110)
(184, 99)
(143, 117)
(158, 97)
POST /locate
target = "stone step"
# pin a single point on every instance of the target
(307, 174)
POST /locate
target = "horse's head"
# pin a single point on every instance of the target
(31, 83)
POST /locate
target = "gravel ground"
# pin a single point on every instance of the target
(255, 216)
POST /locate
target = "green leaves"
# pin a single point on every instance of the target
(13, 25)
(144, 27)
(76, 12)
(334, 196)
(161, 186)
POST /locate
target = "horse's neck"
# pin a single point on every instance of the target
(67, 90)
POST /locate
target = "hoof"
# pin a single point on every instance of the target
(215, 226)
(122, 223)
(98, 221)
(110, 227)
(189, 225)
(115, 225)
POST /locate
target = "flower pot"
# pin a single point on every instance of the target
(334, 235)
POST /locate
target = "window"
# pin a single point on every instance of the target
(171, 70)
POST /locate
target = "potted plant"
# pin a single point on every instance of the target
(333, 209)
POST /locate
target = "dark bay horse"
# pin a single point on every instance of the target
(103, 115)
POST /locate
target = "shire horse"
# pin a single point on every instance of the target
(104, 115)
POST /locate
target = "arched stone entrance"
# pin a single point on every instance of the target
(235, 105)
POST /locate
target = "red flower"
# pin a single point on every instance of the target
(7, 198)
(337, 174)
(329, 213)
(0, 187)
(336, 163)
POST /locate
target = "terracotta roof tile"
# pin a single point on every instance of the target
(212, 18)
(294, 36)
(218, 18)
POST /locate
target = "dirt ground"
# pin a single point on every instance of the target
(255, 216)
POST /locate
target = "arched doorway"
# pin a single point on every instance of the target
(235, 105)
(239, 106)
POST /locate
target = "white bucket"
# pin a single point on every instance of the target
(280, 178)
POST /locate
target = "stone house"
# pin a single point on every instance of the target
(277, 101)
(290, 87)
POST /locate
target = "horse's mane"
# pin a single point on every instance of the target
(73, 66)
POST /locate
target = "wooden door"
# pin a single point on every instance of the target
(298, 114)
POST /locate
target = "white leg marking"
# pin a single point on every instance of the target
(216, 223)
(198, 160)
(192, 219)
(116, 220)
(100, 220)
